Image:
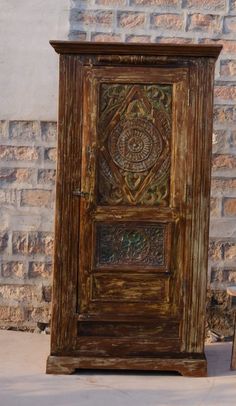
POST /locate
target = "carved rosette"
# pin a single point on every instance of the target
(134, 138)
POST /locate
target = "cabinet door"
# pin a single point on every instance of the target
(132, 210)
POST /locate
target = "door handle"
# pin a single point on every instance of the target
(80, 193)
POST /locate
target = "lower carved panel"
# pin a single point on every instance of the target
(132, 244)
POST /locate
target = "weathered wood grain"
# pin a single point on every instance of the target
(185, 366)
(193, 50)
(136, 299)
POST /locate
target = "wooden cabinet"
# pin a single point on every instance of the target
(132, 207)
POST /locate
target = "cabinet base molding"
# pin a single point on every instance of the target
(195, 367)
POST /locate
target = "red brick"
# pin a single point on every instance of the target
(225, 92)
(50, 154)
(20, 242)
(40, 270)
(216, 250)
(158, 3)
(220, 142)
(229, 207)
(77, 35)
(8, 197)
(20, 293)
(230, 25)
(19, 175)
(232, 276)
(11, 314)
(167, 21)
(138, 38)
(104, 37)
(223, 275)
(220, 298)
(48, 130)
(204, 22)
(40, 243)
(41, 314)
(222, 250)
(224, 161)
(34, 242)
(229, 46)
(215, 207)
(232, 5)
(224, 114)
(230, 251)
(24, 130)
(211, 5)
(223, 184)
(3, 129)
(86, 17)
(232, 139)
(218, 275)
(131, 19)
(8, 153)
(228, 68)
(47, 293)
(3, 241)
(14, 269)
(46, 176)
(36, 198)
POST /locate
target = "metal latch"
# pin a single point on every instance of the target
(80, 193)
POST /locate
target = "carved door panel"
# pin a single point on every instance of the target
(132, 210)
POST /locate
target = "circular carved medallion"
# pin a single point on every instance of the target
(135, 145)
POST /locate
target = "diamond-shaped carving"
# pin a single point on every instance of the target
(135, 147)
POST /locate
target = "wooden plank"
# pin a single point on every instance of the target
(67, 213)
(186, 366)
(197, 226)
(129, 288)
(108, 48)
(114, 347)
(135, 330)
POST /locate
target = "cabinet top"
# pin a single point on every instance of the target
(116, 48)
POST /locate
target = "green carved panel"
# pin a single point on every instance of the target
(129, 244)
(134, 137)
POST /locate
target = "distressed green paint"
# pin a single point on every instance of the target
(133, 245)
(134, 135)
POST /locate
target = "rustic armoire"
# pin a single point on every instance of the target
(132, 207)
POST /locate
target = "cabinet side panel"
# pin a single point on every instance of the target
(198, 203)
(67, 216)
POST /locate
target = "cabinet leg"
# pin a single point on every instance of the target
(200, 372)
(60, 365)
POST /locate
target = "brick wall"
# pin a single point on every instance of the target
(27, 155)
(27, 178)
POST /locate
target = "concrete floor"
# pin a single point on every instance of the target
(23, 381)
